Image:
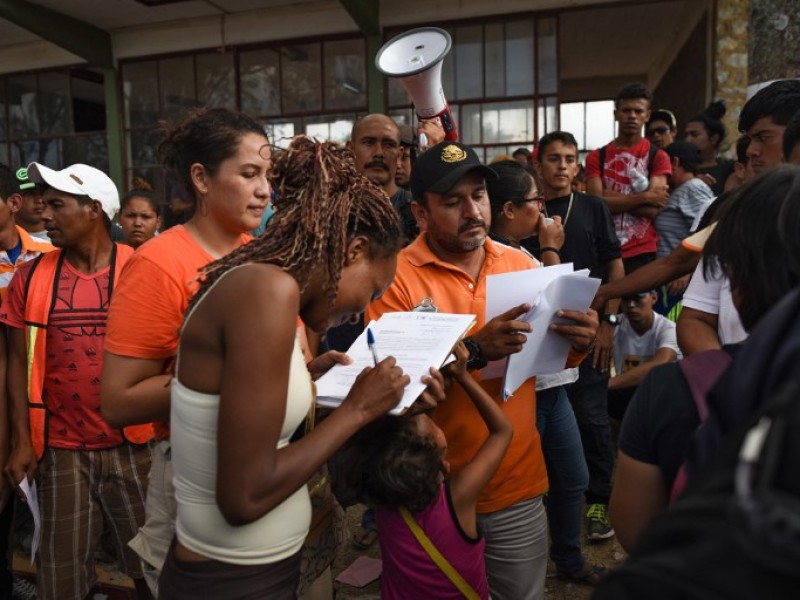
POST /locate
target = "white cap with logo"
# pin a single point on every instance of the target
(79, 180)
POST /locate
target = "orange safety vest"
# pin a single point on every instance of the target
(39, 299)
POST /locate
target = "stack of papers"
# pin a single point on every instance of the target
(417, 340)
(547, 290)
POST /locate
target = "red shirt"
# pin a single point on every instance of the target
(74, 362)
(636, 234)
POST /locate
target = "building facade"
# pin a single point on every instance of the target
(93, 82)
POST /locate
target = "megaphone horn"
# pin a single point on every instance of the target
(414, 58)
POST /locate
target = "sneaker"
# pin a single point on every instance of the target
(23, 589)
(597, 526)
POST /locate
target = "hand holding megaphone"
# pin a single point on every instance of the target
(415, 59)
(429, 133)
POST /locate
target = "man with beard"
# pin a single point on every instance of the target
(445, 269)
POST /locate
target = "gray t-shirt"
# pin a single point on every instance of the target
(686, 203)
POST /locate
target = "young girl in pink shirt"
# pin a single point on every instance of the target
(405, 472)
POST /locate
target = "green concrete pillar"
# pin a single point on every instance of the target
(115, 135)
(366, 14)
(376, 96)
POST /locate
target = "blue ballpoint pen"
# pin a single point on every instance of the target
(371, 344)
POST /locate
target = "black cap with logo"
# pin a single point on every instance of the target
(24, 183)
(439, 168)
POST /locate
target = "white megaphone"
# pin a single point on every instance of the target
(415, 59)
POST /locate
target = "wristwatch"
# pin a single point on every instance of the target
(476, 359)
(612, 319)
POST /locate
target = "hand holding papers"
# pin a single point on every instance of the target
(548, 290)
(32, 501)
(416, 340)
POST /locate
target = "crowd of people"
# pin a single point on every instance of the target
(159, 381)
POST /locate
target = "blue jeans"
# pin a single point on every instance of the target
(568, 475)
(589, 399)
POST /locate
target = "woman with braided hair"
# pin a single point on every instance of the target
(241, 385)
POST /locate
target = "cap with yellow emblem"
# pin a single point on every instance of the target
(439, 168)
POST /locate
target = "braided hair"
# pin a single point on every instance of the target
(322, 202)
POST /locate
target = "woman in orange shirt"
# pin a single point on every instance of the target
(222, 159)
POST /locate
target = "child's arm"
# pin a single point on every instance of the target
(467, 485)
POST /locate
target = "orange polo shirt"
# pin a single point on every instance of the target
(421, 276)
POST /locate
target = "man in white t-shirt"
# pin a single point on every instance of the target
(643, 340)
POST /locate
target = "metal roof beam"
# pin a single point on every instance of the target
(83, 39)
(366, 15)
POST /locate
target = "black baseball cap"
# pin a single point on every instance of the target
(438, 169)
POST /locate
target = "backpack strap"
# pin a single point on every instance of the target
(602, 157)
(701, 371)
(449, 570)
(651, 159)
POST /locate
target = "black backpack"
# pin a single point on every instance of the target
(735, 532)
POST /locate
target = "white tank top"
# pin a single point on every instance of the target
(200, 525)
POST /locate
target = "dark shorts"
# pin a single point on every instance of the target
(225, 581)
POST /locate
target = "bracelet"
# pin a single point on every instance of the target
(550, 249)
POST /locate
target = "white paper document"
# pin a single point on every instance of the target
(32, 500)
(417, 340)
(548, 290)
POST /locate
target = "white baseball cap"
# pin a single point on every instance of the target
(79, 180)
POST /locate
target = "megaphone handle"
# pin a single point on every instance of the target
(423, 142)
(448, 125)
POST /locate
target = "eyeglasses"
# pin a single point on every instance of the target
(657, 130)
(538, 199)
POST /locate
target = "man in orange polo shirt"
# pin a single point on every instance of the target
(445, 269)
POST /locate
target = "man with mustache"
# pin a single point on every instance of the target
(445, 269)
(375, 141)
(631, 175)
